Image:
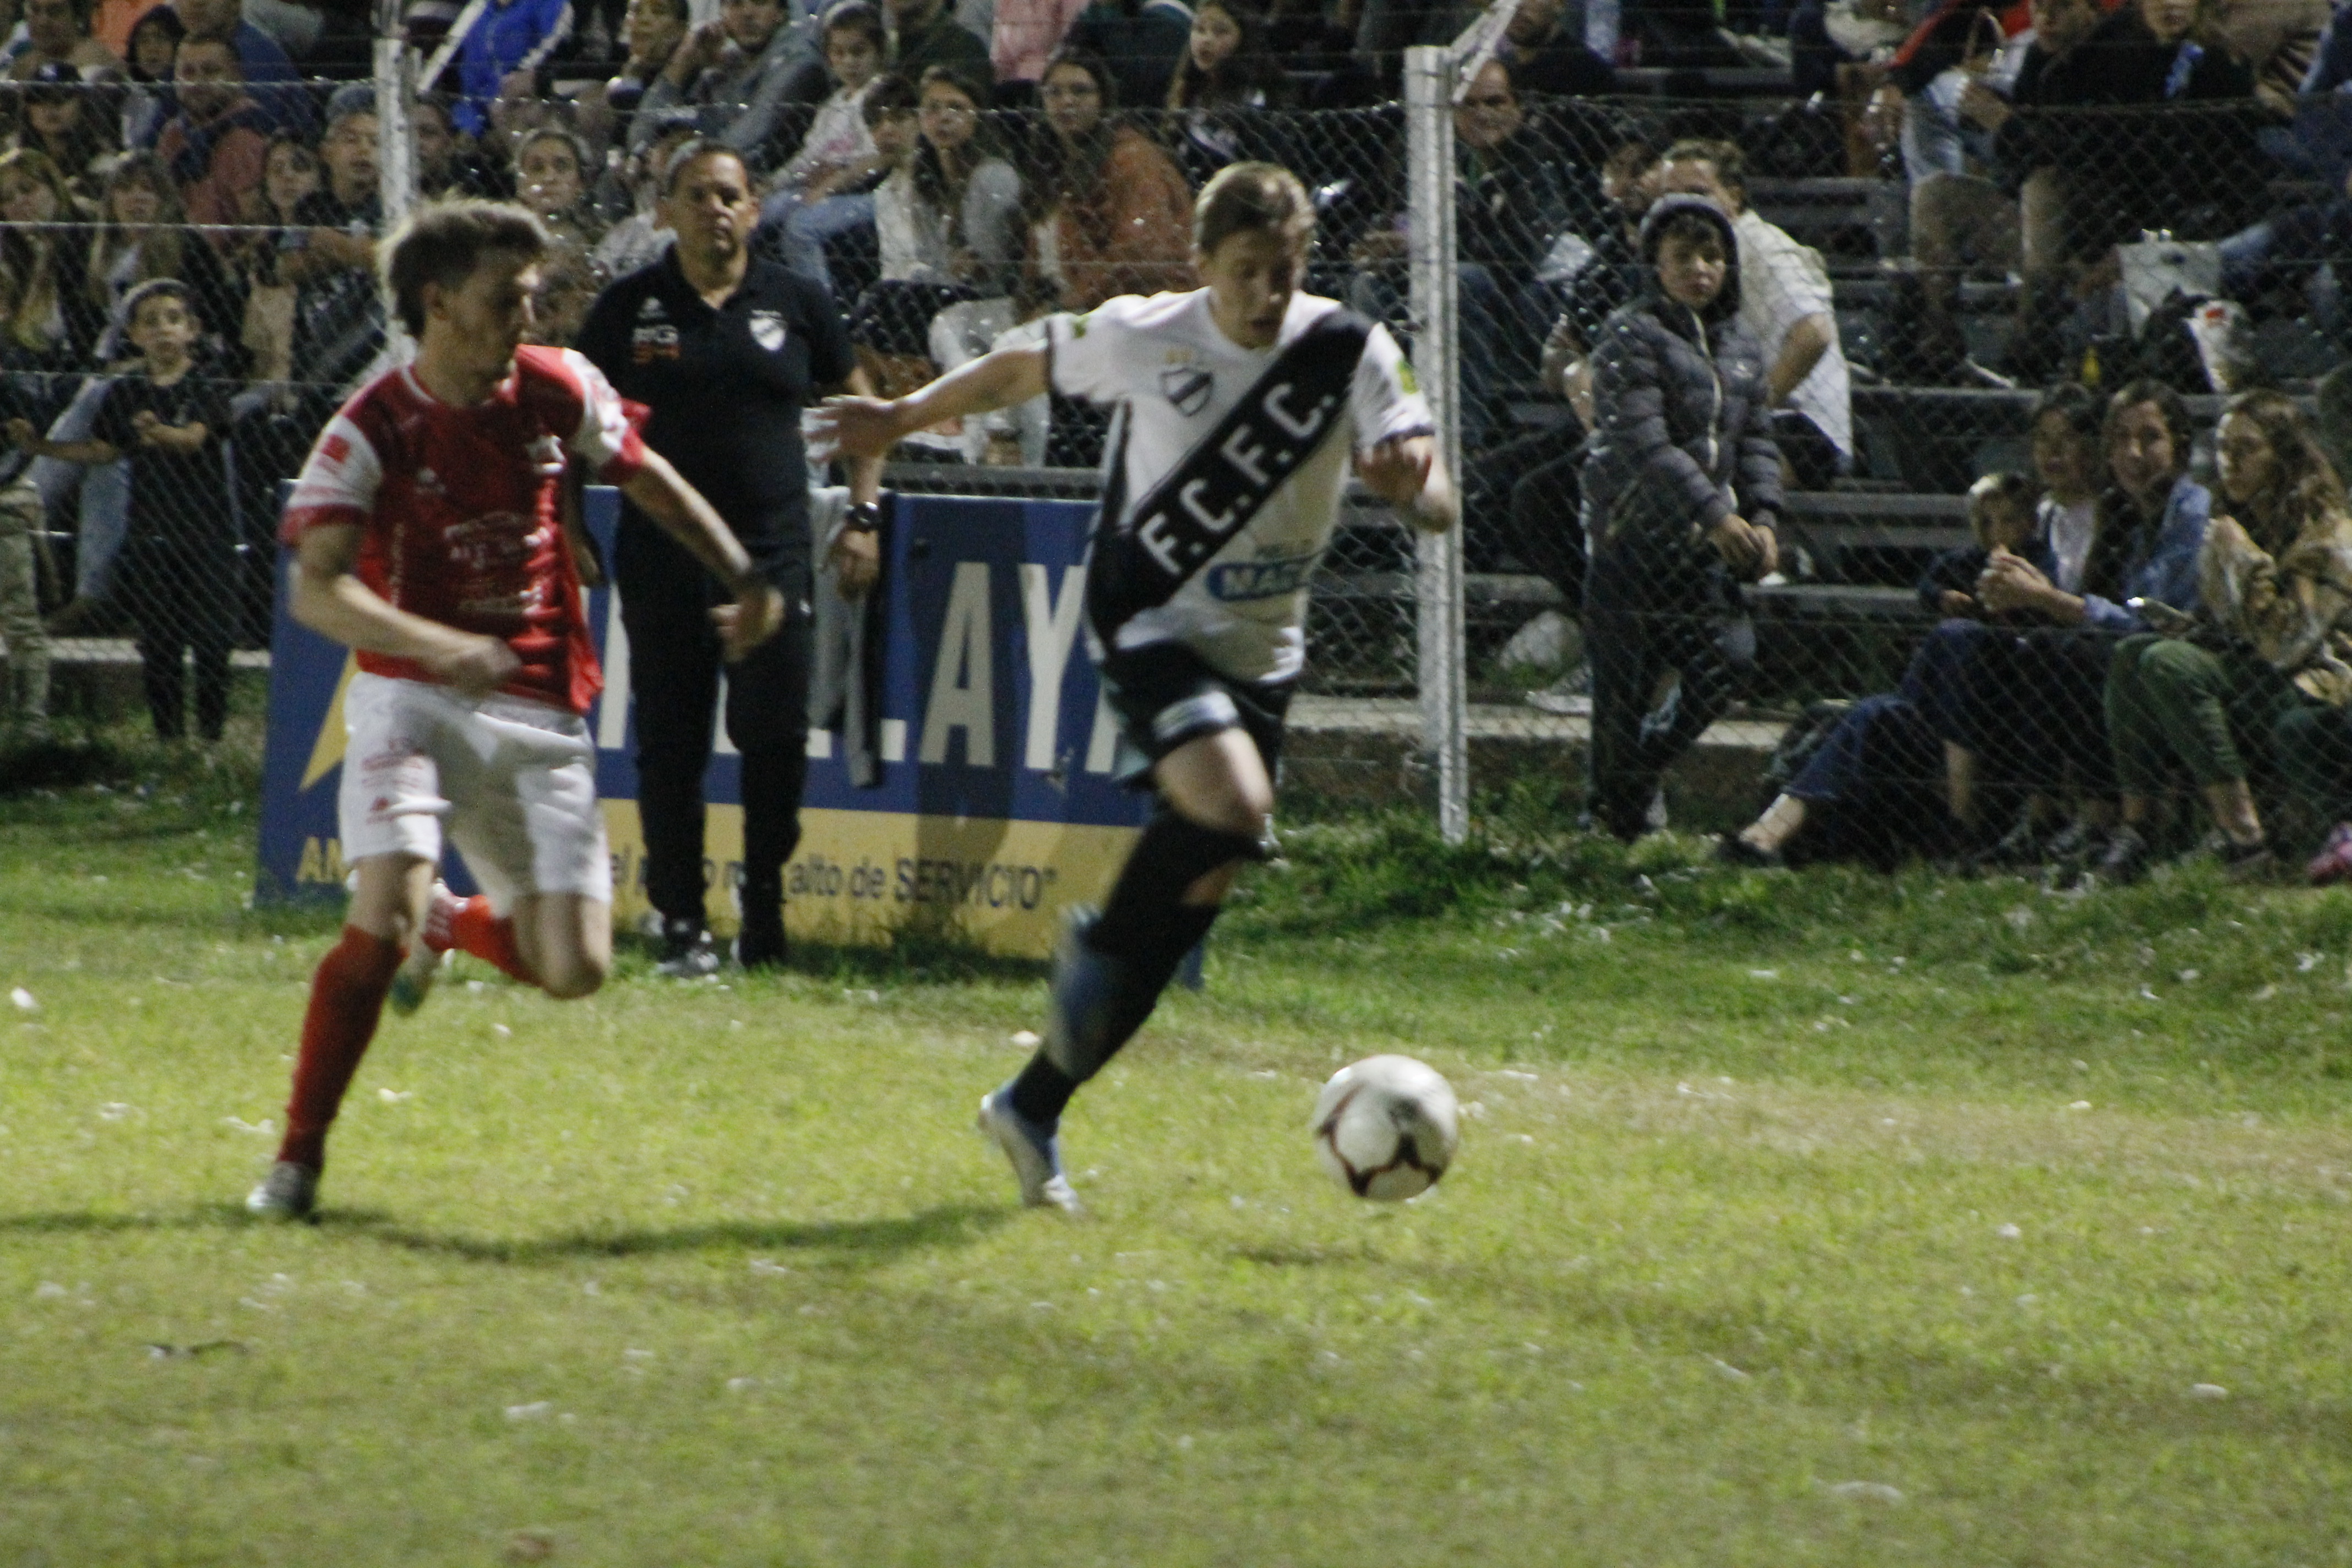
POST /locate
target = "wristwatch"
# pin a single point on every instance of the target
(863, 517)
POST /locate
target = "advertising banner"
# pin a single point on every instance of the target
(994, 809)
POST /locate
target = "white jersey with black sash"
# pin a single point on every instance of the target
(1222, 471)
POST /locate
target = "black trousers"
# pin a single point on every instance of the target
(674, 661)
(181, 597)
(1641, 621)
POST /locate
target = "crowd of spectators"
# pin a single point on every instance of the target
(949, 171)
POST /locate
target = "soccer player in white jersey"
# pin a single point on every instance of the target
(427, 539)
(1239, 407)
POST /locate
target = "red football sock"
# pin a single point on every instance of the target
(475, 929)
(346, 999)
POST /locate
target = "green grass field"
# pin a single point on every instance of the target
(1818, 1219)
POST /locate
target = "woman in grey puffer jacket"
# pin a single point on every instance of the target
(1682, 488)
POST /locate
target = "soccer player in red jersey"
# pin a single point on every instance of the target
(427, 538)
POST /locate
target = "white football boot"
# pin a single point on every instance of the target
(289, 1191)
(1033, 1151)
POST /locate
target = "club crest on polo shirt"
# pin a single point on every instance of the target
(768, 330)
(1188, 386)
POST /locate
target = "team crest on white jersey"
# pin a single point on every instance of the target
(651, 310)
(768, 330)
(1188, 386)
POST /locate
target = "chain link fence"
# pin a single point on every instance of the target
(1934, 290)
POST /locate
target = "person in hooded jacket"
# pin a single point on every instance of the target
(1682, 490)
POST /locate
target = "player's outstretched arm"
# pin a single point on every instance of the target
(330, 601)
(1407, 472)
(680, 509)
(869, 426)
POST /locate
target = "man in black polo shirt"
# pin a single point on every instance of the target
(725, 350)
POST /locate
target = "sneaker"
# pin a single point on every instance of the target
(1570, 696)
(2074, 846)
(1033, 1151)
(289, 1192)
(687, 952)
(413, 981)
(2124, 861)
(1733, 850)
(2247, 862)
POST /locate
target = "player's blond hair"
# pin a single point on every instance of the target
(441, 242)
(1252, 197)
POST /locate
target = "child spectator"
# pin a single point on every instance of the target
(1682, 489)
(803, 238)
(175, 575)
(2002, 516)
(839, 150)
(1225, 76)
(152, 54)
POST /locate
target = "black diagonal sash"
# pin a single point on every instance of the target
(1142, 558)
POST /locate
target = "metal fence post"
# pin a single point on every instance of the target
(1429, 153)
(395, 137)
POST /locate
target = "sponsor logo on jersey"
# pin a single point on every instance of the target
(1187, 387)
(334, 449)
(1236, 580)
(768, 330)
(648, 344)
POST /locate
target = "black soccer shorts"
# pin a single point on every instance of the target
(1165, 695)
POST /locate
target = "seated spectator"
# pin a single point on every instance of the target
(2174, 150)
(654, 29)
(1682, 491)
(115, 24)
(741, 71)
(330, 258)
(800, 234)
(63, 118)
(1868, 791)
(1785, 299)
(1515, 197)
(838, 154)
(42, 265)
(213, 146)
(505, 52)
(176, 572)
(153, 50)
(142, 235)
(1226, 75)
(291, 172)
(1997, 221)
(1109, 213)
(949, 220)
(269, 72)
(1140, 43)
(448, 163)
(56, 32)
(638, 240)
(2260, 665)
(926, 34)
(551, 180)
(1545, 51)
(1023, 37)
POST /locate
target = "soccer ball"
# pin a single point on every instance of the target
(1386, 1127)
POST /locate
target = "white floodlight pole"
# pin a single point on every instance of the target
(1429, 93)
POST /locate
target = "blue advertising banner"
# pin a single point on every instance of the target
(994, 809)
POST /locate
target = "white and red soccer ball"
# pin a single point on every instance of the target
(1386, 1127)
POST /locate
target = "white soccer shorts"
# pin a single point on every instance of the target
(515, 779)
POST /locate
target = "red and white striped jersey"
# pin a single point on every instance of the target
(459, 508)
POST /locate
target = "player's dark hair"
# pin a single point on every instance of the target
(1251, 198)
(443, 242)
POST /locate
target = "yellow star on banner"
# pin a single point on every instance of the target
(333, 739)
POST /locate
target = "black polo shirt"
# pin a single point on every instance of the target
(726, 387)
